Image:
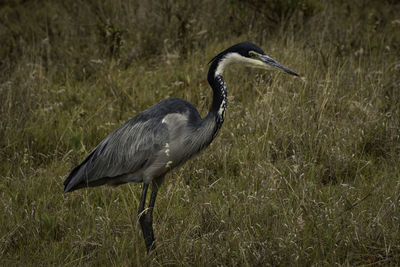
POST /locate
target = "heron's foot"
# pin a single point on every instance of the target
(146, 222)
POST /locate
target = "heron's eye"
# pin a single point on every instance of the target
(253, 54)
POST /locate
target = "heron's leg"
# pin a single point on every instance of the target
(142, 199)
(142, 214)
(150, 244)
(146, 216)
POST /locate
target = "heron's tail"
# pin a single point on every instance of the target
(76, 179)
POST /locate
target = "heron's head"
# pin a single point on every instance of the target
(250, 55)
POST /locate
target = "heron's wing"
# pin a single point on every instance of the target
(124, 151)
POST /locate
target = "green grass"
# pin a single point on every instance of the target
(303, 172)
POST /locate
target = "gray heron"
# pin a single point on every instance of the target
(146, 147)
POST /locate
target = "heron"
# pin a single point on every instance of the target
(152, 143)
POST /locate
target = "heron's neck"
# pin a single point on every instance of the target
(220, 95)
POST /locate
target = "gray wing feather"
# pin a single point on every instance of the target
(124, 151)
(128, 148)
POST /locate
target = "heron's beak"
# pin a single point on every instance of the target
(275, 64)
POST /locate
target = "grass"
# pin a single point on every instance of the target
(303, 172)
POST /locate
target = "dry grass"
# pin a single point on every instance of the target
(303, 172)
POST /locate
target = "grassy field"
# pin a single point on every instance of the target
(303, 172)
